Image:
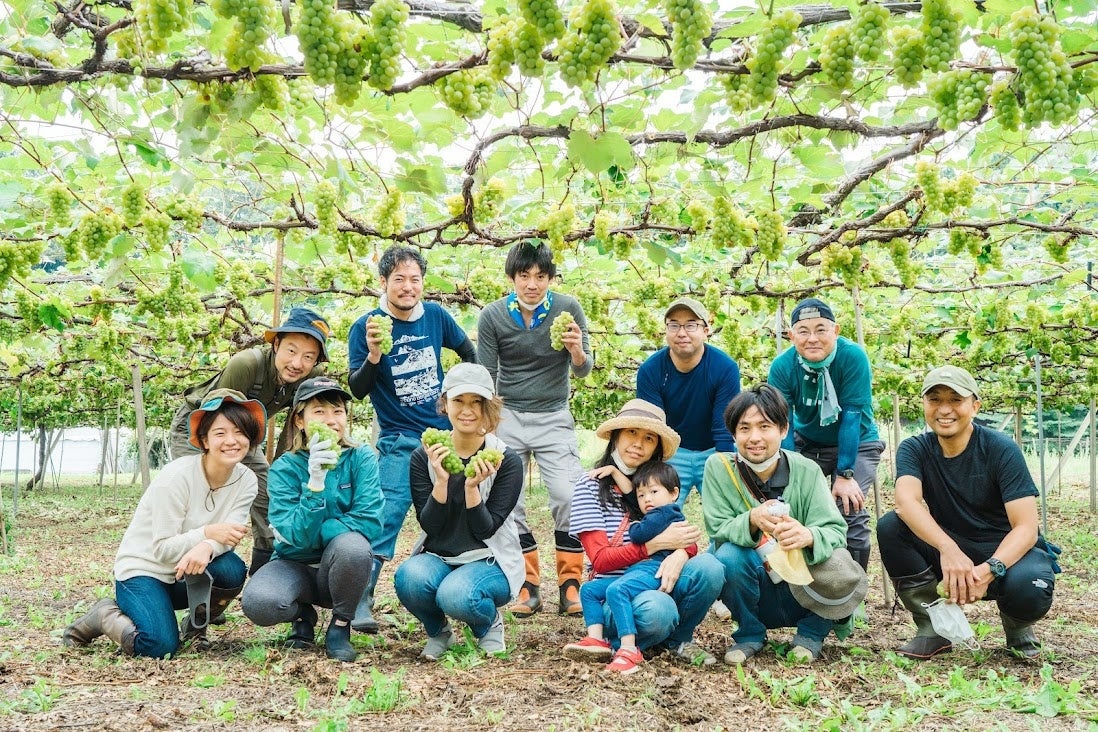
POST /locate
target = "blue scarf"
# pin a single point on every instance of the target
(824, 395)
(540, 313)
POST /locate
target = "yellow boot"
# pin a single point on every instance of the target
(569, 572)
(529, 599)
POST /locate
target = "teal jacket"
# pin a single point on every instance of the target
(304, 522)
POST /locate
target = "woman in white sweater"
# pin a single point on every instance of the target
(183, 533)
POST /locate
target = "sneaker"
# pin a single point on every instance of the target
(492, 641)
(800, 654)
(721, 610)
(693, 654)
(626, 661)
(588, 649)
(438, 644)
(738, 653)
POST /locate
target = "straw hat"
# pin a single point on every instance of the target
(838, 586)
(642, 415)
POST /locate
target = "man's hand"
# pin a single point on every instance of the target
(849, 492)
(227, 534)
(573, 343)
(195, 561)
(962, 583)
(792, 534)
(373, 341)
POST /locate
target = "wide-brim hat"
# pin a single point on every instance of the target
(303, 320)
(839, 585)
(213, 402)
(309, 388)
(642, 415)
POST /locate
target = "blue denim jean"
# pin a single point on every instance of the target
(756, 603)
(690, 465)
(151, 604)
(617, 593)
(394, 456)
(433, 590)
(670, 619)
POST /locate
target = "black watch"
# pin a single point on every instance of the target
(998, 569)
(848, 473)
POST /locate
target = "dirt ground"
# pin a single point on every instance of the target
(247, 681)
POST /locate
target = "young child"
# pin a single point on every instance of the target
(655, 485)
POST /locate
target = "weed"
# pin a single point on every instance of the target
(208, 681)
(225, 710)
(39, 698)
(802, 692)
(256, 655)
(301, 697)
(385, 692)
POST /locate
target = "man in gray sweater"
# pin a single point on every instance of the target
(515, 345)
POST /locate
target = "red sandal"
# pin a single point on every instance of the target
(626, 661)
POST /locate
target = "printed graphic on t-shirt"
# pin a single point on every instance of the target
(415, 370)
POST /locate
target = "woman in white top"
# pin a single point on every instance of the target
(184, 530)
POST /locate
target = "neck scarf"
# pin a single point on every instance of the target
(621, 463)
(824, 395)
(539, 313)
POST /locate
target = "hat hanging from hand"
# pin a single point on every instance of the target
(639, 414)
(212, 403)
(839, 585)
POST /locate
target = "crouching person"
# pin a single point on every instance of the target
(966, 515)
(177, 552)
(810, 580)
(325, 509)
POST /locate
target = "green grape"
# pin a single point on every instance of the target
(844, 262)
(870, 30)
(133, 204)
(958, 193)
(125, 41)
(712, 297)
(157, 20)
(764, 65)
(487, 200)
(317, 38)
(486, 284)
(622, 245)
(455, 205)
(770, 237)
(908, 55)
(501, 47)
(253, 27)
(529, 46)
(736, 91)
(95, 231)
(388, 19)
(926, 177)
(157, 226)
(327, 200)
(837, 56)
(601, 226)
(187, 210)
(273, 91)
(389, 213)
(468, 92)
(302, 91)
(560, 326)
(691, 23)
(451, 463)
(731, 228)
(556, 225)
(324, 433)
(58, 199)
(593, 37)
(1045, 79)
(900, 252)
(699, 215)
(593, 303)
(958, 96)
(356, 43)
(18, 258)
(385, 324)
(941, 27)
(492, 457)
(1056, 246)
(1005, 103)
(545, 16)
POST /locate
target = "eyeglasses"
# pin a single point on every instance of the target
(820, 331)
(692, 327)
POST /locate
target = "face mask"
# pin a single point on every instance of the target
(764, 465)
(949, 621)
(528, 308)
(620, 463)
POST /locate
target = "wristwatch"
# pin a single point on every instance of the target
(848, 473)
(998, 569)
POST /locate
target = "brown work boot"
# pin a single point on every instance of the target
(569, 572)
(529, 598)
(103, 618)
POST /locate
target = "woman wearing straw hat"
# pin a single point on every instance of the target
(178, 549)
(600, 517)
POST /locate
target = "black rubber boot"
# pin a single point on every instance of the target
(259, 558)
(1020, 638)
(303, 629)
(913, 591)
(194, 628)
(364, 621)
(337, 640)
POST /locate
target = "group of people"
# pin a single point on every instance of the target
(783, 469)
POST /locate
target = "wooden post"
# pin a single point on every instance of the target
(1018, 426)
(139, 417)
(105, 440)
(276, 315)
(1041, 440)
(117, 442)
(779, 328)
(896, 431)
(1093, 457)
(18, 442)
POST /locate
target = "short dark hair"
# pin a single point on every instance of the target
(329, 398)
(769, 401)
(397, 254)
(237, 415)
(656, 471)
(526, 255)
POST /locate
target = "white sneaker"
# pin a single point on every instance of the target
(721, 610)
(492, 641)
(438, 644)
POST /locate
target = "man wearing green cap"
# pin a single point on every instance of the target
(270, 376)
(966, 514)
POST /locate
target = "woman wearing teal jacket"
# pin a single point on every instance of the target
(325, 509)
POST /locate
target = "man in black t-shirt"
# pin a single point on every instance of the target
(966, 514)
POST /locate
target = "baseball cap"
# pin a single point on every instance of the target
(303, 320)
(468, 378)
(690, 304)
(811, 307)
(318, 385)
(955, 377)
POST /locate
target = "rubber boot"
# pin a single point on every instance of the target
(337, 640)
(103, 618)
(1020, 638)
(913, 591)
(529, 599)
(364, 621)
(303, 628)
(195, 630)
(861, 556)
(569, 572)
(259, 558)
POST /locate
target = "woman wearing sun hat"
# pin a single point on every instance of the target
(601, 513)
(183, 533)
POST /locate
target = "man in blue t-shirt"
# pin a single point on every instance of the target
(827, 382)
(966, 514)
(404, 386)
(692, 382)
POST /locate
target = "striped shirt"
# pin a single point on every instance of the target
(588, 514)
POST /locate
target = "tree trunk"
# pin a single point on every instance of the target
(47, 441)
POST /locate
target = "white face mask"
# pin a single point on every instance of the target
(949, 621)
(621, 463)
(765, 465)
(528, 308)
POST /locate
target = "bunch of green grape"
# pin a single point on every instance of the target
(593, 37)
(958, 193)
(926, 177)
(736, 91)
(712, 297)
(327, 199)
(455, 205)
(58, 199)
(324, 433)
(843, 262)
(559, 327)
(451, 463)
(17, 258)
(388, 19)
(273, 91)
(176, 298)
(941, 27)
(1004, 102)
(958, 96)
(593, 302)
(302, 93)
(1045, 78)
(529, 44)
(133, 204)
(545, 16)
(96, 229)
(468, 92)
(731, 228)
(963, 240)
(317, 37)
(253, 27)
(621, 244)
(157, 226)
(837, 56)
(908, 55)
(353, 58)
(870, 31)
(699, 214)
(237, 277)
(600, 227)
(557, 224)
(486, 284)
(770, 237)
(501, 46)
(388, 214)
(1056, 246)
(492, 457)
(187, 210)
(486, 201)
(385, 325)
(691, 23)
(157, 20)
(765, 64)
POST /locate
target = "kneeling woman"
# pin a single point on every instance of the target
(468, 562)
(325, 510)
(186, 525)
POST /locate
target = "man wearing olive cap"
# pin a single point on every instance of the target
(966, 514)
(270, 376)
(827, 382)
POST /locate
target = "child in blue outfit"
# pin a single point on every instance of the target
(656, 486)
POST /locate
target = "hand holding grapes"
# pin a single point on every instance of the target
(379, 337)
(322, 455)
